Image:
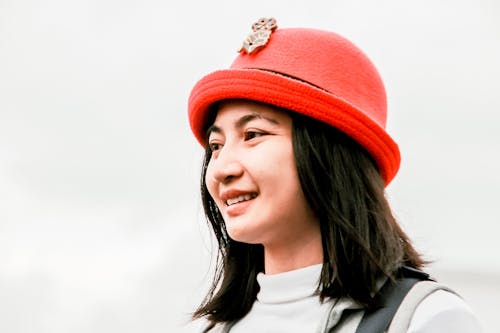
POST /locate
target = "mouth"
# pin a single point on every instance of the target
(240, 198)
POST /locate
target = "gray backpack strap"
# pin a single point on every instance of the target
(389, 298)
(415, 296)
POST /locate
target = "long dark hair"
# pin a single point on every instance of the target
(362, 242)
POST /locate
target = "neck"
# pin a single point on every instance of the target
(290, 255)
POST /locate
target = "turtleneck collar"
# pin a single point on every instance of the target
(288, 286)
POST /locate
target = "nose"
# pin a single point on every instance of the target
(225, 167)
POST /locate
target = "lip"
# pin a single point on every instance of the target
(237, 208)
(233, 193)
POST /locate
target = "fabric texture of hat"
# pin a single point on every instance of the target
(313, 72)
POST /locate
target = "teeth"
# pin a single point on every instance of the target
(241, 198)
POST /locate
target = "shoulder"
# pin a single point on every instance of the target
(444, 311)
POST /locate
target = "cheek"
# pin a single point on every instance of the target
(209, 181)
(279, 171)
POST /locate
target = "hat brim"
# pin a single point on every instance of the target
(298, 96)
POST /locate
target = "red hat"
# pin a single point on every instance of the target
(313, 72)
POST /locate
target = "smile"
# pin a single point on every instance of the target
(240, 198)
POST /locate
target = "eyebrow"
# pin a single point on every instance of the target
(242, 122)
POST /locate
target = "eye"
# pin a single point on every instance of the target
(249, 135)
(214, 146)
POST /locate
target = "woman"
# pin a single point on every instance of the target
(296, 162)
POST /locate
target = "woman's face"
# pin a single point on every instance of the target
(252, 175)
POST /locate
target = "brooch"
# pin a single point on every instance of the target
(262, 30)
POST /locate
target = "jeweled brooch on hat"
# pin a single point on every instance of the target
(262, 30)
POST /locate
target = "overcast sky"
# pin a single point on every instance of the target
(100, 223)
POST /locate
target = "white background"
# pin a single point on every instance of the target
(100, 221)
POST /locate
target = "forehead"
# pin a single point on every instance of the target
(232, 110)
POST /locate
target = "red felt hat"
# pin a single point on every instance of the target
(313, 72)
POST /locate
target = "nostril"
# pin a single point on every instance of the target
(228, 179)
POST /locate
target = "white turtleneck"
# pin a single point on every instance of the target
(286, 302)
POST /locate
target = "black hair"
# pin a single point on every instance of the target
(362, 242)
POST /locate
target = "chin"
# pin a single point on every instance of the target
(242, 236)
